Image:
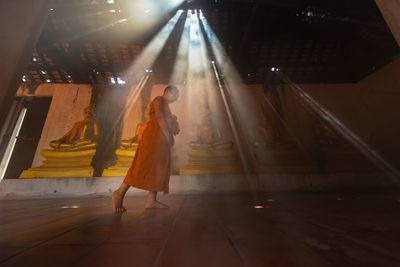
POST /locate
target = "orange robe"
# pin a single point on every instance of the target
(150, 169)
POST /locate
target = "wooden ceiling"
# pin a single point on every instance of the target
(337, 41)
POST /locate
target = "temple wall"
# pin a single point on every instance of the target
(301, 124)
(190, 113)
(43, 90)
(370, 108)
(69, 100)
(66, 108)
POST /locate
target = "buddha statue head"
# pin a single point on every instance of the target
(207, 133)
(89, 112)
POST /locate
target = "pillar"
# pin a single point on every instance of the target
(21, 23)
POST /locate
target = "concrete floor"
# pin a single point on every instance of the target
(297, 229)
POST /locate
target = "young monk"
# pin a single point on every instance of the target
(150, 169)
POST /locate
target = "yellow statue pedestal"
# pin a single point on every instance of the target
(212, 162)
(58, 163)
(124, 161)
(282, 158)
(125, 154)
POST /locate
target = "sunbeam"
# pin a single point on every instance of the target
(202, 85)
(349, 135)
(145, 62)
(143, 14)
(149, 55)
(241, 108)
(181, 62)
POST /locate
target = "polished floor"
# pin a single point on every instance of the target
(264, 229)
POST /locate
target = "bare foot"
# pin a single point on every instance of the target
(156, 205)
(117, 202)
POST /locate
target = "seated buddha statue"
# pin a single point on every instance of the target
(126, 153)
(72, 154)
(134, 141)
(83, 134)
(326, 135)
(210, 153)
(209, 137)
(275, 150)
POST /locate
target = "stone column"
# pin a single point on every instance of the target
(21, 22)
(391, 12)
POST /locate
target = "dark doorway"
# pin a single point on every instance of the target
(29, 136)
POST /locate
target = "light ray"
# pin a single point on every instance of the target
(153, 49)
(200, 75)
(232, 122)
(144, 14)
(240, 101)
(349, 135)
(240, 107)
(145, 62)
(11, 144)
(201, 95)
(179, 72)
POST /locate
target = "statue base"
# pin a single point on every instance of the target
(124, 161)
(63, 164)
(340, 158)
(212, 162)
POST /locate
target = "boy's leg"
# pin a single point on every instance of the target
(118, 197)
(152, 202)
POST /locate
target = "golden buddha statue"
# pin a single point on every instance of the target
(325, 135)
(338, 154)
(276, 152)
(72, 154)
(210, 154)
(83, 134)
(134, 141)
(265, 135)
(126, 153)
(209, 137)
